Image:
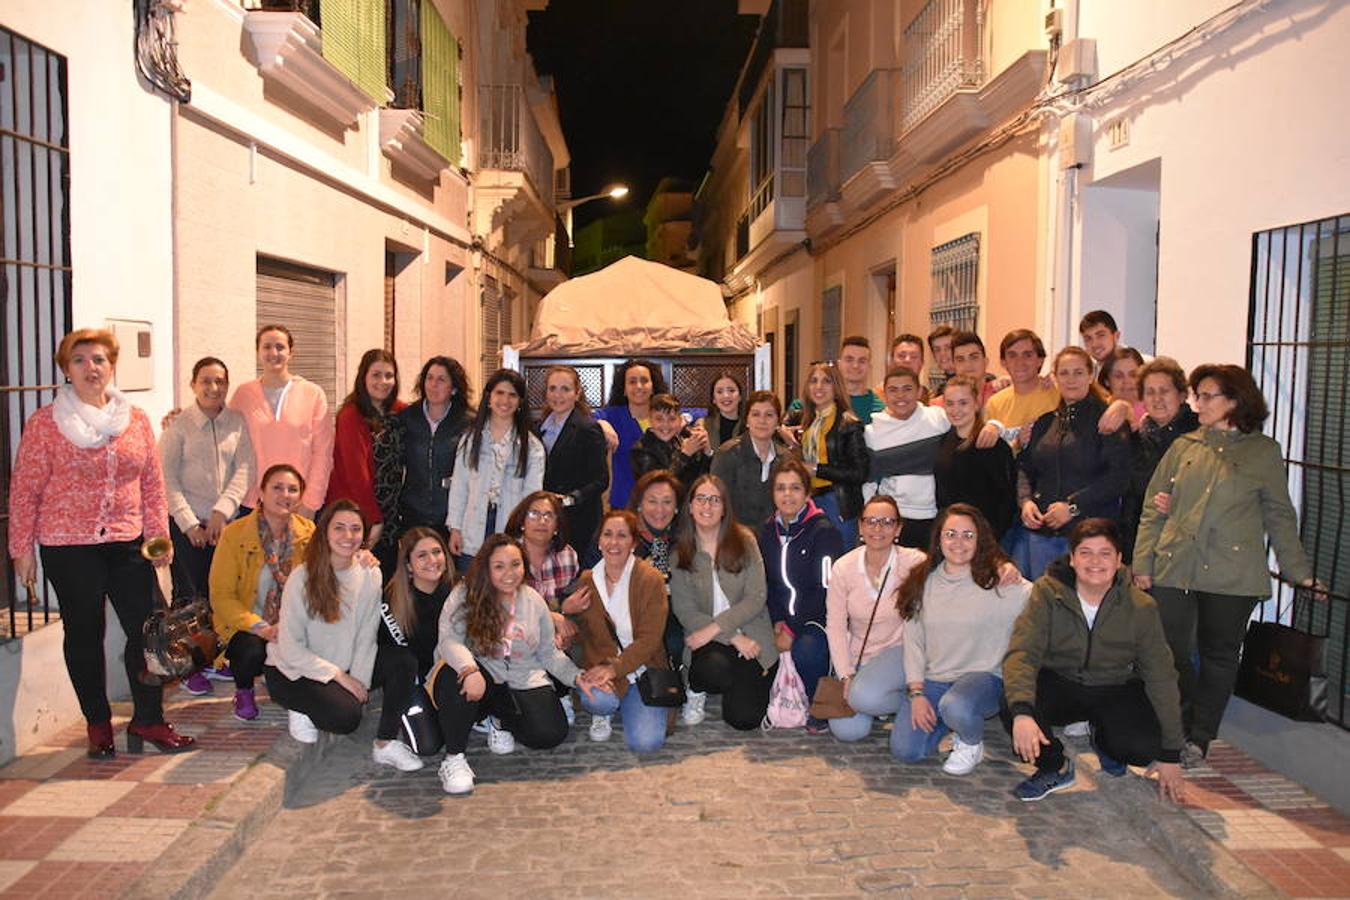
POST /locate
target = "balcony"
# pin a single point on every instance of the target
(515, 166)
(868, 140)
(824, 213)
(403, 139)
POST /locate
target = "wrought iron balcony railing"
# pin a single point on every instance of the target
(943, 54)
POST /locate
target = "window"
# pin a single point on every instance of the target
(496, 323)
(790, 358)
(1299, 354)
(956, 269)
(424, 71)
(405, 53)
(353, 41)
(796, 132)
(762, 155)
(830, 303)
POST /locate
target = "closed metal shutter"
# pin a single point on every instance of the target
(305, 301)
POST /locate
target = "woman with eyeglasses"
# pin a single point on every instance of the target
(958, 619)
(863, 623)
(718, 593)
(1204, 559)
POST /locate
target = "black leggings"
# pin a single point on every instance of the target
(329, 705)
(246, 653)
(84, 576)
(191, 565)
(1124, 725)
(396, 672)
(717, 668)
(535, 716)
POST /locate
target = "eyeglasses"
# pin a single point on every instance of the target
(880, 521)
(706, 499)
(540, 515)
(1207, 396)
(952, 534)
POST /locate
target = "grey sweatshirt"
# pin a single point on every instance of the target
(961, 628)
(312, 648)
(533, 654)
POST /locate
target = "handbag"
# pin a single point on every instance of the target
(787, 697)
(656, 687)
(178, 637)
(418, 724)
(1283, 670)
(829, 701)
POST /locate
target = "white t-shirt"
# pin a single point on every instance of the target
(720, 602)
(1089, 612)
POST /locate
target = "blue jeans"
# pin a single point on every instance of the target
(877, 689)
(644, 727)
(1031, 551)
(961, 705)
(811, 656)
(829, 505)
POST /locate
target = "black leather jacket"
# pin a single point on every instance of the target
(428, 464)
(847, 467)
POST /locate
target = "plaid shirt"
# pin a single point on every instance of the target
(560, 568)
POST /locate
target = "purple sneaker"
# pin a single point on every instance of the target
(245, 707)
(221, 674)
(196, 684)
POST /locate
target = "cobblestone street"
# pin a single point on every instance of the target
(715, 814)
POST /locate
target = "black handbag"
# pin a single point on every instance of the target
(656, 687)
(1283, 670)
(418, 724)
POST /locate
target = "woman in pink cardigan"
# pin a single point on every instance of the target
(87, 489)
(287, 420)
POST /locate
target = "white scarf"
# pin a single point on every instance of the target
(88, 426)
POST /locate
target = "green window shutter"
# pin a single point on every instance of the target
(440, 84)
(353, 41)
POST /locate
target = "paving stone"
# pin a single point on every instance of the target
(12, 870)
(41, 762)
(69, 798)
(119, 839)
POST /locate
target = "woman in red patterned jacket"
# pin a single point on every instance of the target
(88, 490)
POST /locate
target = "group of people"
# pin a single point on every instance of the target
(1078, 546)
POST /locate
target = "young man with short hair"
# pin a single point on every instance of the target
(1100, 334)
(969, 359)
(940, 342)
(855, 363)
(1029, 397)
(906, 353)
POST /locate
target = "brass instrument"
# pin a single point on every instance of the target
(156, 548)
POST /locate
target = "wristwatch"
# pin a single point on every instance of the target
(1073, 510)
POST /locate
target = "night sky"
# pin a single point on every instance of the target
(641, 85)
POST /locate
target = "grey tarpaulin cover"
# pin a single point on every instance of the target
(635, 306)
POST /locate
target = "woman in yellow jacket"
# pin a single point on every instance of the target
(253, 559)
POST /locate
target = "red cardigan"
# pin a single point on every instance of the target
(353, 475)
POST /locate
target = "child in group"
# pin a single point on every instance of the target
(670, 443)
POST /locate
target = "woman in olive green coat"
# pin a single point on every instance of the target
(1204, 558)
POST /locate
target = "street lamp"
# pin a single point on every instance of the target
(617, 192)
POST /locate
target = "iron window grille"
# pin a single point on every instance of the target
(955, 292)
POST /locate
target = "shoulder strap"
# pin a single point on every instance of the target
(868, 633)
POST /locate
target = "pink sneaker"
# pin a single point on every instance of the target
(197, 684)
(245, 707)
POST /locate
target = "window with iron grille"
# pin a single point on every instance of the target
(35, 271)
(830, 316)
(955, 292)
(496, 319)
(1299, 353)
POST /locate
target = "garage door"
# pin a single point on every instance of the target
(305, 301)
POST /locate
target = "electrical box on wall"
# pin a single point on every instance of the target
(1077, 61)
(1075, 141)
(135, 359)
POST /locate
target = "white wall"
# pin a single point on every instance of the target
(1251, 134)
(121, 201)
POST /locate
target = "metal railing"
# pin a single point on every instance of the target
(955, 287)
(869, 123)
(943, 54)
(309, 7)
(822, 169)
(510, 138)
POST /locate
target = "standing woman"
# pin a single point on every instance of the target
(1069, 470)
(1204, 560)
(986, 478)
(498, 462)
(87, 490)
(834, 449)
(320, 665)
(575, 465)
(726, 411)
(863, 621)
(366, 467)
(717, 592)
(406, 643)
(494, 658)
(744, 463)
(799, 544)
(430, 430)
(1167, 416)
(208, 468)
(958, 619)
(287, 419)
(628, 414)
(255, 556)
(621, 629)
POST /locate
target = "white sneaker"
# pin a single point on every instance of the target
(692, 712)
(569, 710)
(601, 729)
(456, 776)
(398, 755)
(964, 757)
(1077, 730)
(301, 728)
(500, 741)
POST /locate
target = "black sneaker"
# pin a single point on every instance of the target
(1192, 756)
(1045, 782)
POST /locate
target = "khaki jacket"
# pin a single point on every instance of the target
(691, 597)
(648, 607)
(235, 568)
(1125, 643)
(1229, 491)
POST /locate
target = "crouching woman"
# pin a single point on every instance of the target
(1090, 646)
(320, 665)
